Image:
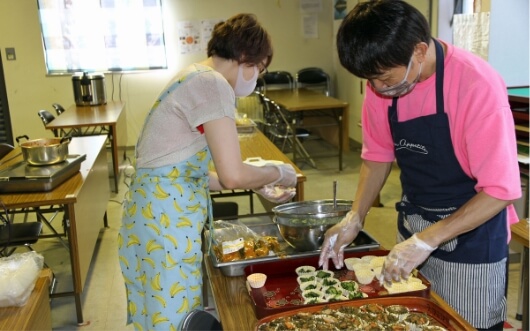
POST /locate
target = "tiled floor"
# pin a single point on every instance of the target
(103, 300)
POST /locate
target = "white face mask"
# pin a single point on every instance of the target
(402, 87)
(245, 87)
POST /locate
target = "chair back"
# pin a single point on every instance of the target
(5, 149)
(260, 85)
(58, 108)
(315, 79)
(46, 118)
(200, 320)
(277, 80)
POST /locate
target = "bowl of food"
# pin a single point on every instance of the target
(303, 224)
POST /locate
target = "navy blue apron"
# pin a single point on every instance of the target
(434, 186)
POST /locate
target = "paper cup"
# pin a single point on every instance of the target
(257, 280)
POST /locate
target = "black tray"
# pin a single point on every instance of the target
(22, 177)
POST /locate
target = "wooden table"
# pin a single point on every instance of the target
(83, 197)
(235, 308)
(35, 314)
(111, 116)
(257, 145)
(520, 233)
(316, 108)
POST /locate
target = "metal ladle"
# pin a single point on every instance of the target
(334, 195)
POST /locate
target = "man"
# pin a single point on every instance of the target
(443, 115)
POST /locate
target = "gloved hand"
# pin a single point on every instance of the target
(404, 257)
(276, 194)
(287, 175)
(337, 238)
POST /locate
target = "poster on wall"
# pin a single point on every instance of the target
(189, 34)
(206, 31)
(339, 9)
(194, 35)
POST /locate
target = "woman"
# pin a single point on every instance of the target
(442, 113)
(191, 123)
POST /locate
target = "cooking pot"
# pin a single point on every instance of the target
(303, 224)
(45, 151)
(89, 89)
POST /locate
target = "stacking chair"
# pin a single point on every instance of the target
(200, 320)
(281, 127)
(277, 80)
(315, 79)
(46, 118)
(58, 108)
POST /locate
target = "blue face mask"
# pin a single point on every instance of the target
(402, 87)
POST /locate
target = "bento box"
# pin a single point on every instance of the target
(263, 225)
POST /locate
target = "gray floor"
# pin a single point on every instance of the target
(104, 306)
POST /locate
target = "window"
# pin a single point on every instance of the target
(102, 35)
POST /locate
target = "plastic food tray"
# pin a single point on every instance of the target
(282, 292)
(418, 304)
(246, 128)
(263, 225)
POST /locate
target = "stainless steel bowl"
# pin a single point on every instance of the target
(303, 224)
(46, 151)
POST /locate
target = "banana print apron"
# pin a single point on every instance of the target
(160, 242)
(469, 271)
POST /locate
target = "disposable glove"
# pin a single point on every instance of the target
(337, 238)
(404, 257)
(287, 175)
(276, 194)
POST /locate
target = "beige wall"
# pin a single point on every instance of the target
(29, 89)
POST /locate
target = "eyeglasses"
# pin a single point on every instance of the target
(262, 70)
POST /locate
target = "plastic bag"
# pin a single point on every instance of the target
(234, 241)
(18, 275)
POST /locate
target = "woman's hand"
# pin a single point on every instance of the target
(276, 194)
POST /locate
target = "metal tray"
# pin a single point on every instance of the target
(22, 177)
(281, 291)
(264, 226)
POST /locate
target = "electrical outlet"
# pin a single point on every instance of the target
(10, 54)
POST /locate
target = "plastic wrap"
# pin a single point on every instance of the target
(235, 241)
(18, 275)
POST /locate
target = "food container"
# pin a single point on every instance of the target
(262, 225)
(45, 151)
(435, 314)
(283, 289)
(89, 89)
(303, 224)
(257, 280)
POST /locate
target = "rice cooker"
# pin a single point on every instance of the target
(89, 89)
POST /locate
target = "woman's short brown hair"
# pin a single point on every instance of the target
(241, 38)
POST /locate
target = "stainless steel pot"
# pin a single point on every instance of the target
(89, 89)
(45, 151)
(303, 224)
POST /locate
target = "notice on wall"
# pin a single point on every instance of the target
(194, 35)
(310, 26)
(189, 34)
(310, 6)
